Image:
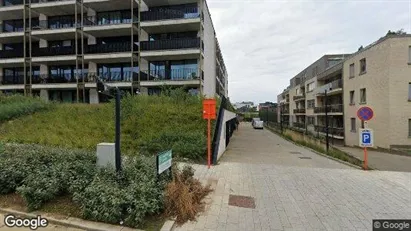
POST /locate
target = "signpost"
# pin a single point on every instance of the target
(209, 113)
(164, 161)
(366, 138)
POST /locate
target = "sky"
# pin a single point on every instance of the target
(266, 43)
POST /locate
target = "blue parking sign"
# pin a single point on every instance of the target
(366, 138)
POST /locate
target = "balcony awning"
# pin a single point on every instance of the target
(332, 71)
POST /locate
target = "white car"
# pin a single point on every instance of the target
(257, 123)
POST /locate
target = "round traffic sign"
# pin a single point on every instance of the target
(365, 113)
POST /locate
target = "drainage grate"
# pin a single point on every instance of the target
(305, 157)
(295, 152)
(241, 201)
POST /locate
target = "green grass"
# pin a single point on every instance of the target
(149, 124)
(16, 105)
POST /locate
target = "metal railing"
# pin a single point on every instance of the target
(172, 75)
(92, 21)
(117, 76)
(299, 125)
(65, 23)
(331, 108)
(9, 80)
(299, 110)
(337, 131)
(51, 51)
(297, 97)
(336, 84)
(170, 44)
(164, 14)
(6, 54)
(109, 47)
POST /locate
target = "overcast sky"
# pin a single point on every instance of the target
(265, 43)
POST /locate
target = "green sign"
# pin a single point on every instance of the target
(164, 161)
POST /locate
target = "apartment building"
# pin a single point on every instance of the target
(378, 76)
(57, 49)
(302, 104)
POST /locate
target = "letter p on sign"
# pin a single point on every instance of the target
(366, 138)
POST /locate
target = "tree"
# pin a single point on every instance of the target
(398, 32)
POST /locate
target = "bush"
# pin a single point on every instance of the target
(40, 174)
(184, 195)
(123, 198)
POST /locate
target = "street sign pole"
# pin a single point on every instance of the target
(209, 113)
(366, 134)
(209, 141)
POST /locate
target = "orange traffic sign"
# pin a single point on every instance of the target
(209, 109)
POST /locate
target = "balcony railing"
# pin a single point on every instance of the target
(336, 131)
(6, 54)
(110, 47)
(334, 108)
(170, 44)
(164, 14)
(9, 80)
(298, 97)
(118, 76)
(92, 21)
(62, 24)
(336, 84)
(172, 75)
(299, 110)
(51, 51)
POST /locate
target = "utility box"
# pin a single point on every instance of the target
(106, 155)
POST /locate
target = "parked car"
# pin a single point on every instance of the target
(257, 123)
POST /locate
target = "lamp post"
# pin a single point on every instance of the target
(105, 89)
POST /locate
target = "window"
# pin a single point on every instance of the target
(409, 127)
(310, 87)
(310, 103)
(363, 96)
(363, 66)
(409, 91)
(352, 98)
(353, 127)
(352, 73)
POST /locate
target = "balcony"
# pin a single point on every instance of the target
(285, 111)
(110, 48)
(299, 97)
(118, 76)
(53, 51)
(10, 80)
(335, 131)
(166, 14)
(299, 111)
(331, 88)
(171, 44)
(334, 108)
(7, 54)
(171, 75)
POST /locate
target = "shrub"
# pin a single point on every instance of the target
(184, 195)
(40, 174)
(127, 197)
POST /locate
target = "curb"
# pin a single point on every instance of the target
(71, 222)
(168, 225)
(324, 155)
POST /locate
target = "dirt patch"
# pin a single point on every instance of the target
(241, 201)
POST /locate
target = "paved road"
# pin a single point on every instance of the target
(51, 227)
(295, 194)
(381, 160)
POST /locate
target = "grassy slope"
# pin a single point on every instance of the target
(144, 120)
(17, 105)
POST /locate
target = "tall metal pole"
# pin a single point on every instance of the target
(326, 121)
(117, 137)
